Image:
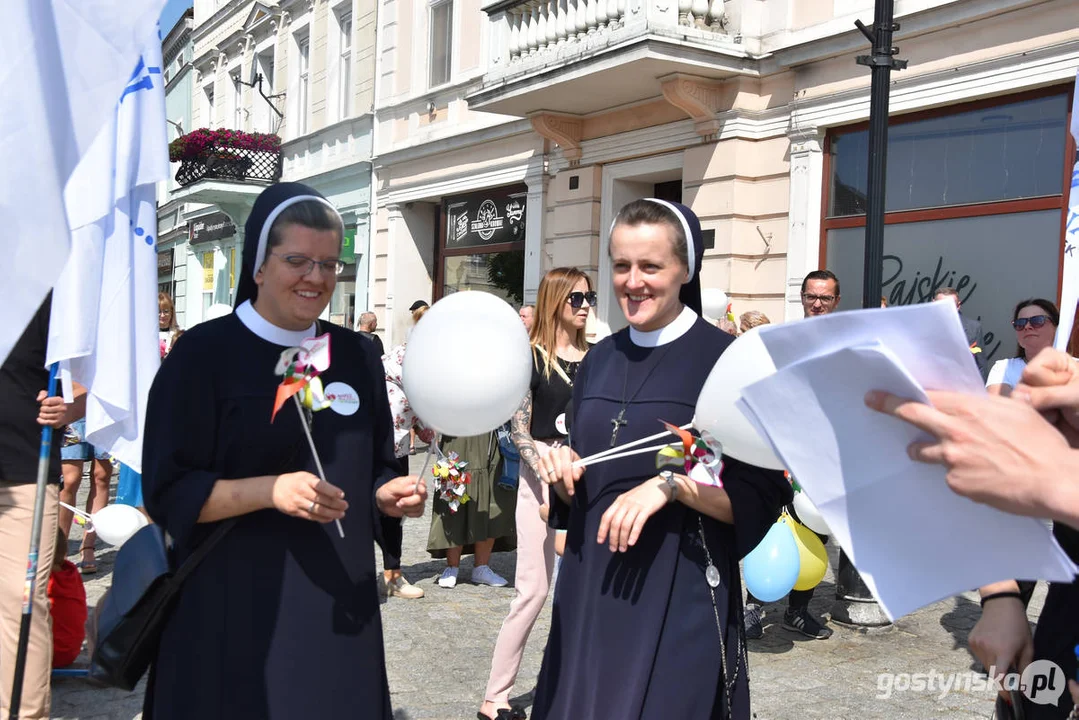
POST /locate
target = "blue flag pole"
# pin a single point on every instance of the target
(31, 564)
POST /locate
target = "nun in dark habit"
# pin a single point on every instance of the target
(281, 619)
(648, 607)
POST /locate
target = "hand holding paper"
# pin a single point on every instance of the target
(913, 540)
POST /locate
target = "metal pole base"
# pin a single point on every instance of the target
(854, 603)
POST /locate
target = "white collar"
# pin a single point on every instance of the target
(269, 332)
(666, 334)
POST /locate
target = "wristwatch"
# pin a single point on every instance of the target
(668, 477)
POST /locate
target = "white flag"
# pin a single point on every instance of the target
(63, 65)
(1069, 293)
(103, 329)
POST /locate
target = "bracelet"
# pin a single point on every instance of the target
(1006, 593)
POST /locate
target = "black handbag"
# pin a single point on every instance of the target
(129, 619)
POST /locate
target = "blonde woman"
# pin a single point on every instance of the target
(558, 345)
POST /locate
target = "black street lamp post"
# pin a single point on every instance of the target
(854, 602)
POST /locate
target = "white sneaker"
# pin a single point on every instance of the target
(448, 579)
(484, 575)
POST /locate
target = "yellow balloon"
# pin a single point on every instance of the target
(811, 553)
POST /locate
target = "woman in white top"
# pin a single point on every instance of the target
(1035, 322)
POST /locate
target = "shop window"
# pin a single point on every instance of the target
(481, 243)
(989, 154)
(974, 201)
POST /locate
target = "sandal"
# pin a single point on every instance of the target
(87, 567)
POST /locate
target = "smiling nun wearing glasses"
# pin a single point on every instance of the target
(281, 619)
(647, 619)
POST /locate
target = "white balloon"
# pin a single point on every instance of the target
(115, 524)
(743, 363)
(808, 514)
(714, 303)
(467, 365)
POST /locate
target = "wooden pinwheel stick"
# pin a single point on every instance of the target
(314, 452)
(432, 450)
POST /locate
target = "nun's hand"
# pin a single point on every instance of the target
(621, 525)
(402, 497)
(303, 495)
(557, 470)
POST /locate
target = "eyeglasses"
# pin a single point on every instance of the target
(577, 299)
(1035, 322)
(302, 265)
(811, 299)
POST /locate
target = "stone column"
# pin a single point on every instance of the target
(806, 187)
(394, 219)
(535, 213)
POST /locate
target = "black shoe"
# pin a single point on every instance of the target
(802, 622)
(752, 619)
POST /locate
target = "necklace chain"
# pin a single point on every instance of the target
(620, 420)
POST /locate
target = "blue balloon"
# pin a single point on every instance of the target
(771, 569)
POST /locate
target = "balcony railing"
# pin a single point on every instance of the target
(537, 32)
(228, 163)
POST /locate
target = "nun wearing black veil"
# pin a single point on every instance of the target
(647, 618)
(281, 619)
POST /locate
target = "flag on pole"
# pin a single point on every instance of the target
(63, 65)
(103, 330)
(1069, 293)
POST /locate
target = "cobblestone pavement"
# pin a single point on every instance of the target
(438, 653)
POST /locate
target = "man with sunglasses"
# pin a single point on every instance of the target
(820, 296)
(972, 328)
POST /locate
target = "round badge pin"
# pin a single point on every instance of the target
(344, 400)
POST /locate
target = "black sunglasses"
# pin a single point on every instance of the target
(577, 299)
(1035, 322)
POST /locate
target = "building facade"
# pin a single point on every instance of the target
(177, 51)
(752, 113)
(303, 70)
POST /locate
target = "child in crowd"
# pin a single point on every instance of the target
(67, 606)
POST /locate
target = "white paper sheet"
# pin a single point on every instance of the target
(928, 339)
(912, 539)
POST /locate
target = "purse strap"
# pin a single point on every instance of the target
(203, 550)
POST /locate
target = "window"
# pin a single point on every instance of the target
(237, 102)
(441, 41)
(988, 154)
(265, 115)
(208, 104)
(974, 201)
(302, 85)
(345, 74)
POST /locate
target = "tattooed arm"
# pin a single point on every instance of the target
(521, 433)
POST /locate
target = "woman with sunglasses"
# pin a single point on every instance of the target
(558, 345)
(281, 617)
(1035, 321)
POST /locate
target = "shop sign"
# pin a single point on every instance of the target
(489, 217)
(216, 226)
(348, 246)
(164, 262)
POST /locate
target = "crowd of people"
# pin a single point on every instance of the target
(294, 575)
